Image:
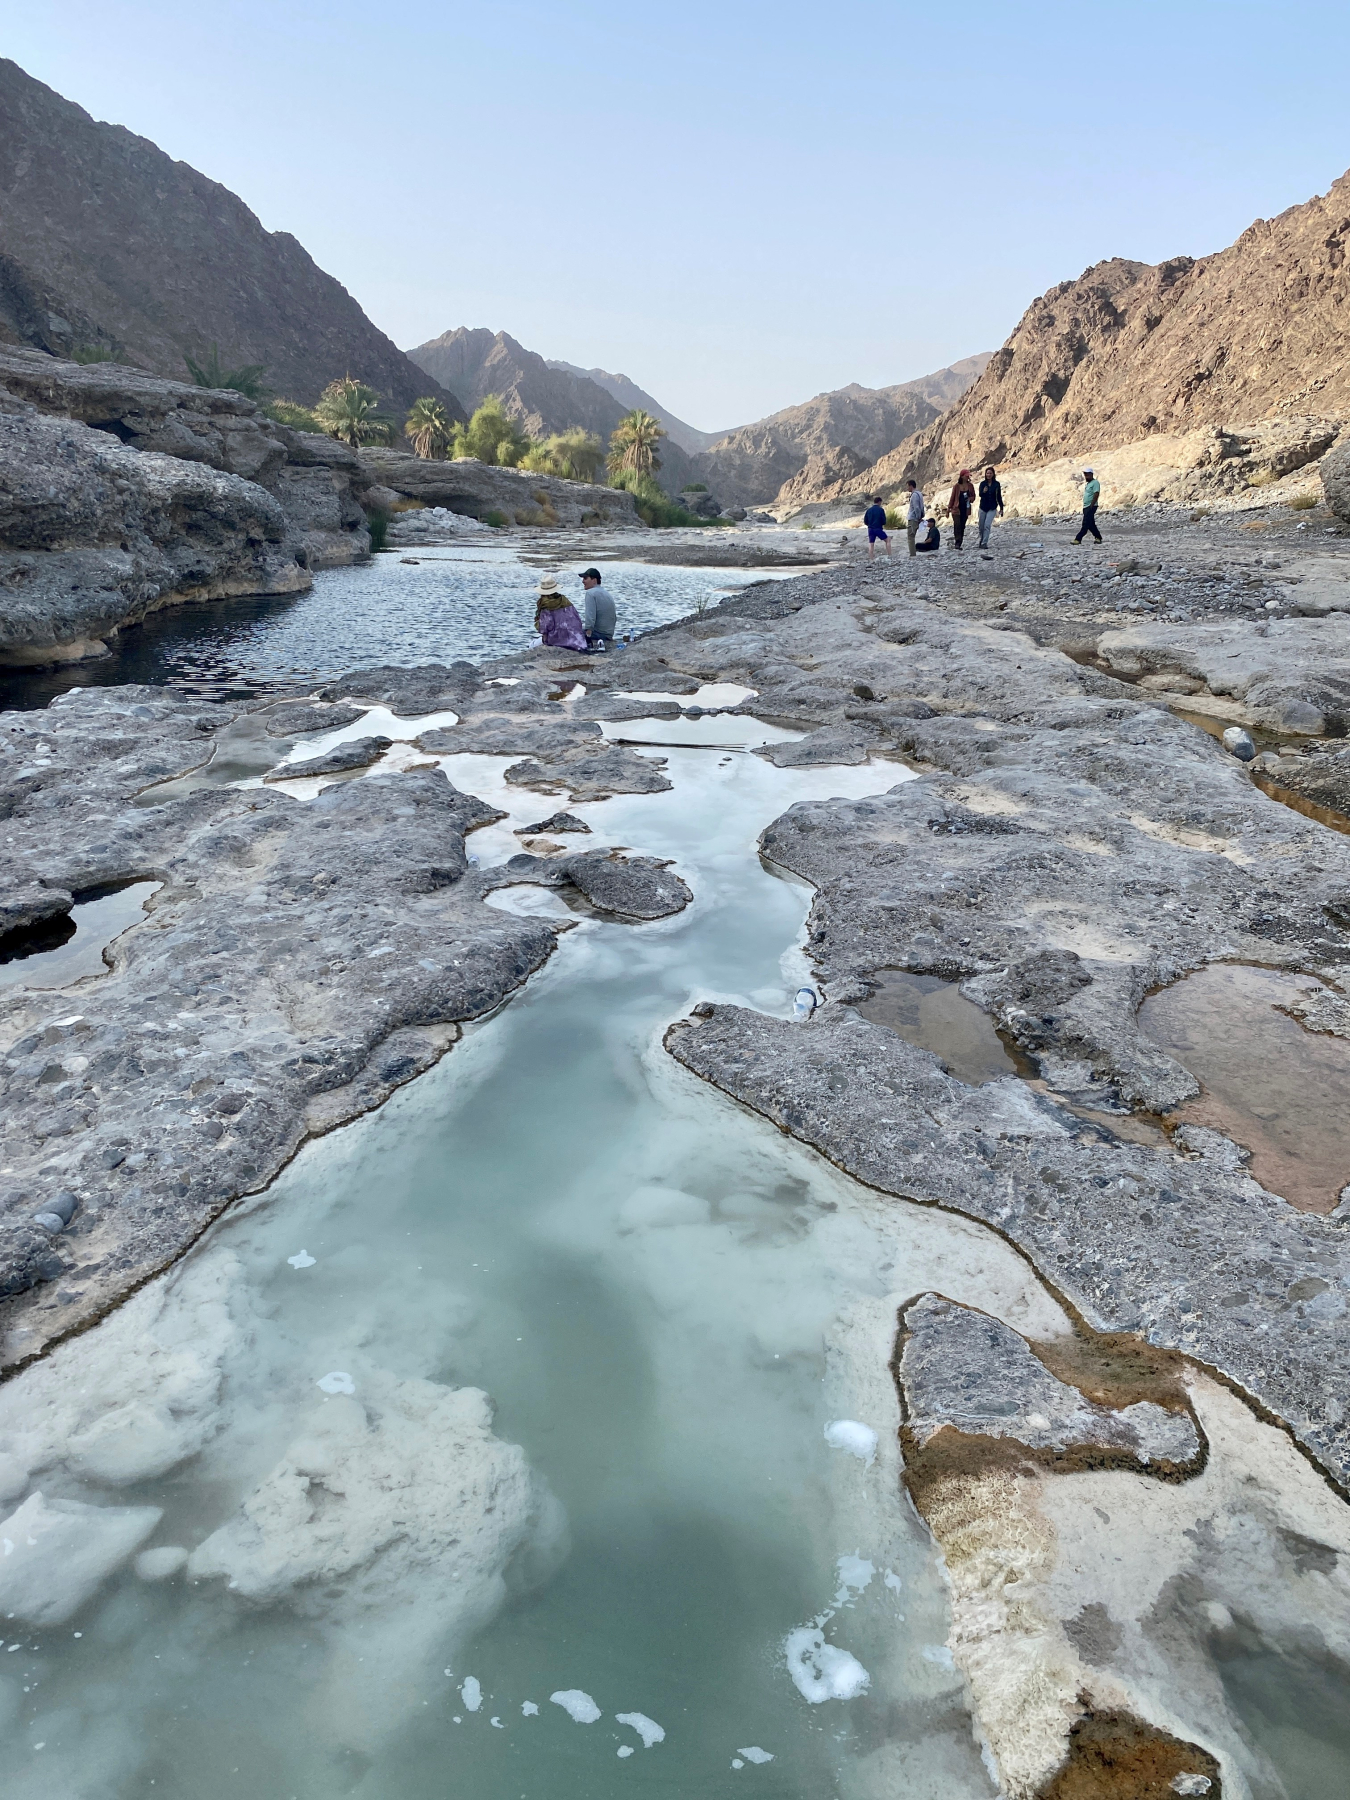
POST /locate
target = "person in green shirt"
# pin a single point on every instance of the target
(1092, 493)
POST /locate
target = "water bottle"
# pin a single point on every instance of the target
(804, 1005)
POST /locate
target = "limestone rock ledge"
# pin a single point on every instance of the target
(299, 962)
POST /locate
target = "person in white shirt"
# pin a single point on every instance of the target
(914, 514)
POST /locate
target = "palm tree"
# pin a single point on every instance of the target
(208, 374)
(633, 444)
(346, 410)
(428, 425)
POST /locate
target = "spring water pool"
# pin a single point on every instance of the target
(668, 1303)
(473, 600)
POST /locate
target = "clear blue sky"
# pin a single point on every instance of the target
(737, 204)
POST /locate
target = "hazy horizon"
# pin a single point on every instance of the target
(737, 210)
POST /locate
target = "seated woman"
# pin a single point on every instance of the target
(556, 619)
(929, 536)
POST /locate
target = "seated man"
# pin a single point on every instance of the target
(598, 615)
(929, 536)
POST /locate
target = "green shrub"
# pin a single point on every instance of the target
(807, 525)
(291, 414)
(1303, 502)
(694, 487)
(575, 455)
(91, 353)
(494, 517)
(377, 523)
(895, 521)
(653, 506)
(490, 436)
(209, 374)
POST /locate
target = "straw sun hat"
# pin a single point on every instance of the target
(548, 584)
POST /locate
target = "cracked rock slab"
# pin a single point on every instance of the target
(357, 753)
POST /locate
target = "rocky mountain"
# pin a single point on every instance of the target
(108, 245)
(629, 395)
(544, 397)
(1130, 350)
(793, 453)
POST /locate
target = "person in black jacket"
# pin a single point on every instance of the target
(932, 537)
(991, 502)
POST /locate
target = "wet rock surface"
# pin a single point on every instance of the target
(629, 887)
(357, 753)
(964, 1373)
(299, 962)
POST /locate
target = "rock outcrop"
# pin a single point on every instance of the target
(109, 246)
(122, 492)
(479, 489)
(1336, 481)
(1258, 331)
(94, 536)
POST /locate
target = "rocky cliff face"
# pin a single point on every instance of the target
(541, 396)
(121, 493)
(108, 244)
(1130, 349)
(790, 455)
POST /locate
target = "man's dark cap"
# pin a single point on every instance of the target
(594, 573)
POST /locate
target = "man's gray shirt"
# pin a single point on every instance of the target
(598, 615)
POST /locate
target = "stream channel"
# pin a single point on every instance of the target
(669, 1304)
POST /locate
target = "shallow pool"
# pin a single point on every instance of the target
(668, 1303)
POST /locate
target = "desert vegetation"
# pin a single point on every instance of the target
(209, 373)
(428, 428)
(346, 411)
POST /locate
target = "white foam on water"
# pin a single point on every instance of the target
(302, 1260)
(625, 1750)
(578, 1706)
(647, 1729)
(822, 1671)
(529, 1709)
(753, 1754)
(893, 1581)
(471, 1693)
(847, 1434)
(855, 1574)
(338, 1382)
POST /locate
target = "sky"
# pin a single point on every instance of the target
(739, 205)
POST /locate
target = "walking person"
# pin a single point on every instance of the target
(959, 505)
(599, 613)
(991, 502)
(1092, 493)
(913, 513)
(556, 619)
(875, 521)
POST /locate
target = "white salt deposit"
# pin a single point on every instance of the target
(848, 1434)
(625, 1750)
(302, 1260)
(647, 1729)
(471, 1693)
(579, 1707)
(893, 1581)
(338, 1382)
(753, 1754)
(58, 1553)
(736, 1763)
(530, 1710)
(939, 1655)
(822, 1671)
(161, 1562)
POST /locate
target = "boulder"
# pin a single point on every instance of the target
(23, 907)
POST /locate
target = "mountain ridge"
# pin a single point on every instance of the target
(108, 245)
(1130, 350)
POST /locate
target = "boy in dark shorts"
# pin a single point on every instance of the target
(875, 521)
